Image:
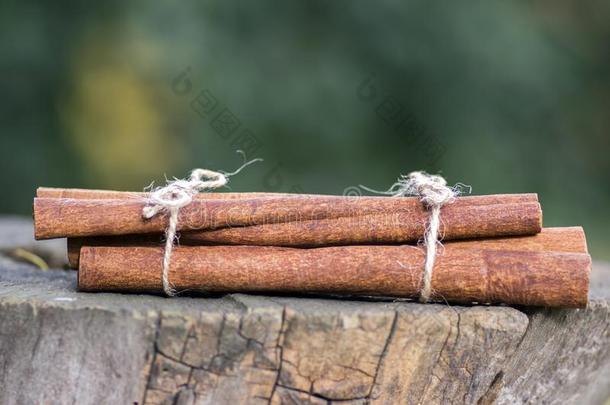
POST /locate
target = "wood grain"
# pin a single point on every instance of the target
(61, 346)
(461, 274)
(402, 218)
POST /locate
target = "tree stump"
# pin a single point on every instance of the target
(58, 346)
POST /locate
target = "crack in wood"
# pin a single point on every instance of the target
(384, 352)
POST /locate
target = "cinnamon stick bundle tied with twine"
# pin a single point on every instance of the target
(108, 229)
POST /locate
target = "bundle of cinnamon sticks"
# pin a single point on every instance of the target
(495, 249)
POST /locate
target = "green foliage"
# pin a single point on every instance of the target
(504, 96)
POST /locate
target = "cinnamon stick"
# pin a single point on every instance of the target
(400, 227)
(477, 216)
(465, 274)
(86, 194)
(566, 240)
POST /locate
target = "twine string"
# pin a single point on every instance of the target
(176, 195)
(434, 193)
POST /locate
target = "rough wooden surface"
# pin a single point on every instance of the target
(58, 346)
(16, 232)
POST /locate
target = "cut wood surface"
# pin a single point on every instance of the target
(476, 216)
(61, 346)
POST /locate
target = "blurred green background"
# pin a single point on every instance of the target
(507, 96)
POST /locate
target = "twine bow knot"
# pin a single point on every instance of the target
(433, 192)
(432, 189)
(178, 194)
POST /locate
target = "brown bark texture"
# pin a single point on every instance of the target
(87, 194)
(305, 220)
(518, 271)
(568, 240)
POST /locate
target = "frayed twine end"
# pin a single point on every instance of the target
(179, 193)
(433, 192)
